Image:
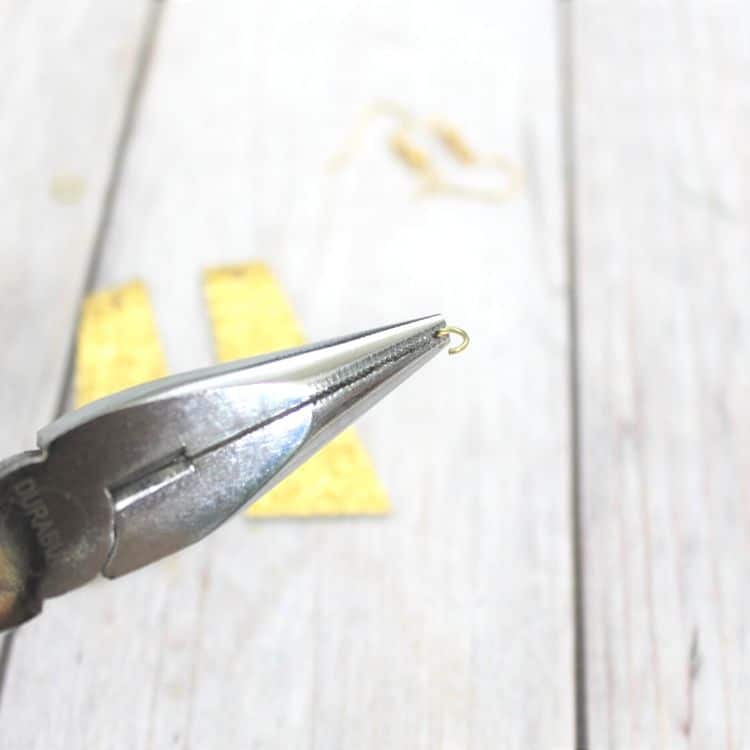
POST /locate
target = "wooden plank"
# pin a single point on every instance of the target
(663, 113)
(65, 73)
(448, 624)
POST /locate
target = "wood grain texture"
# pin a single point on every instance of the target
(65, 72)
(663, 158)
(449, 624)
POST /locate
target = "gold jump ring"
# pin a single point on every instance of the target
(447, 331)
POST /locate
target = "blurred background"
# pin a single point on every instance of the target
(566, 560)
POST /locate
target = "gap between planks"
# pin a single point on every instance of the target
(568, 149)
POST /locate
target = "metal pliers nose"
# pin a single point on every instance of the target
(139, 475)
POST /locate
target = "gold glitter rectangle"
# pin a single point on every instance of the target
(250, 315)
(118, 343)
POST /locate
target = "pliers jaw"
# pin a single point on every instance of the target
(139, 475)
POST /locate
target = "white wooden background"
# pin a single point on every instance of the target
(568, 559)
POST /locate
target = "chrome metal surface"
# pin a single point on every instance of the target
(129, 479)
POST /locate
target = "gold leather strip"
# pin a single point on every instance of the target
(251, 315)
(118, 343)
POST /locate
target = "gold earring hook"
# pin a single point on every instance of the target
(353, 143)
(447, 331)
(456, 144)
